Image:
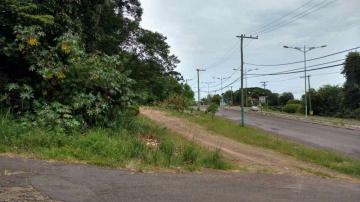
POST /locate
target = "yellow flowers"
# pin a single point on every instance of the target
(95, 76)
(32, 41)
(65, 48)
(60, 75)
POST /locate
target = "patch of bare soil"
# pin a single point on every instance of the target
(22, 194)
(251, 157)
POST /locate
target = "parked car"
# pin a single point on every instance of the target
(255, 108)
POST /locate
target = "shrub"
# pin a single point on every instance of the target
(212, 109)
(63, 85)
(292, 108)
(176, 102)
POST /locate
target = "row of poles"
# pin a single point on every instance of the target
(306, 77)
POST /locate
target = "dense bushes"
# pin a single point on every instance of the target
(292, 108)
(73, 65)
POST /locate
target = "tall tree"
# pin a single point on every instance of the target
(285, 97)
(352, 85)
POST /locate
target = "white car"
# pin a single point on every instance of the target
(255, 108)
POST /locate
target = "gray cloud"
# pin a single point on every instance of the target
(202, 32)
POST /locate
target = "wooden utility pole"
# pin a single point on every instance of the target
(311, 112)
(232, 97)
(242, 37)
(198, 79)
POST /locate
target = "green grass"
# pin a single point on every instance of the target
(110, 147)
(321, 119)
(256, 137)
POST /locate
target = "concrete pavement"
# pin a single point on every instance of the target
(342, 140)
(65, 182)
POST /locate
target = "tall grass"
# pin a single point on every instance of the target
(121, 146)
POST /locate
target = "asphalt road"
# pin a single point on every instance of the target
(65, 182)
(342, 140)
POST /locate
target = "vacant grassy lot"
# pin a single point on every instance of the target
(256, 137)
(139, 145)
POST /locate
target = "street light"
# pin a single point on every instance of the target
(246, 87)
(305, 50)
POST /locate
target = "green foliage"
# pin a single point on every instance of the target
(190, 155)
(292, 108)
(273, 99)
(352, 85)
(108, 147)
(285, 97)
(176, 102)
(89, 57)
(253, 136)
(212, 109)
(331, 99)
(216, 99)
(55, 117)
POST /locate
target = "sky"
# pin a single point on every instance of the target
(202, 34)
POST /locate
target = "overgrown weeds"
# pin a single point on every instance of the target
(119, 146)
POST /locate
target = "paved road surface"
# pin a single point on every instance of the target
(342, 140)
(88, 183)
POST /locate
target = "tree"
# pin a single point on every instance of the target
(216, 99)
(352, 85)
(331, 99)
(228, 96)
(285, 97)
(273, 99)
(83, 60)
(212, 109)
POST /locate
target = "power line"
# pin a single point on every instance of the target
(303, 14)
(297, 62)
(283, 17)
(325, 63)
(228, 54)
(294, 72)
(225, 80)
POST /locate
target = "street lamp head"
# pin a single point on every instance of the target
(311, 48)
(323, 46)
(286, 46)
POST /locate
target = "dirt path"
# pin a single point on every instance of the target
(250, 157)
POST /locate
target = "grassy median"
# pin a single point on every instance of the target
(256, 137)
(140, 145)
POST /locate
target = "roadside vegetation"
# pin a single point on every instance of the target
(256, 137)
(135, 144)
(72, 77)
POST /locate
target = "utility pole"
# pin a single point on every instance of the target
(242, 37)
(246, 86)
(264, 83)
(232, 97)
(309, 90)
(304, 51)
(208, 84)
(198, 79)
(221, 79)
(311, 112)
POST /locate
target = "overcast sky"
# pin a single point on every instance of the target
(202, 34)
